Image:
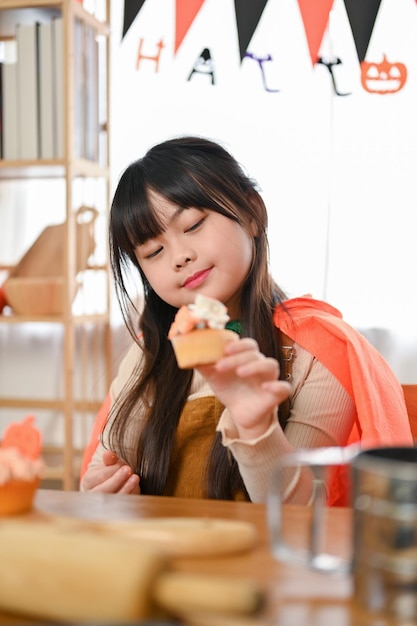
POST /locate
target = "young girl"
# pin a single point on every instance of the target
(188, 220)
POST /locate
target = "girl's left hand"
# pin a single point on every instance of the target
(246, 382)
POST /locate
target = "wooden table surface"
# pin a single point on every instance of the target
(295, 595)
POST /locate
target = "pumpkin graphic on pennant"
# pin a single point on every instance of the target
(384, 77)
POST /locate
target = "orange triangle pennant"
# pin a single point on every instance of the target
(315, 17)
(185, 13)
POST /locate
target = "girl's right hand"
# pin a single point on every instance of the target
(113, 476)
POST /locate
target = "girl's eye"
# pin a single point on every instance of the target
(153, 254)
(195, 226)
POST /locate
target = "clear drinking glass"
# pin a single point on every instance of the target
(383, 563)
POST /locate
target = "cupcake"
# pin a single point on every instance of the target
(198, 334)
(20, 467)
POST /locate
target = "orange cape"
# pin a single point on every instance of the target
(381, 414)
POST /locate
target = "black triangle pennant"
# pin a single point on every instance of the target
(248, 14)
(362, 15)
(132, 8)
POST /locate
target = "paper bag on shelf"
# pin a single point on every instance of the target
(35, 286)
(45, 257)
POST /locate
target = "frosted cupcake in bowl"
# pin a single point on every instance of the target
(198, 334)
(21, 467)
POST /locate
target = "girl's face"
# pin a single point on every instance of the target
(200, 251)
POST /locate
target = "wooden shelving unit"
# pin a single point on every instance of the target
(71, 169)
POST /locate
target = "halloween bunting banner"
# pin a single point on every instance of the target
(315, 16)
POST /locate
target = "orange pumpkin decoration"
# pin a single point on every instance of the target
(23, 436)
(383, 78)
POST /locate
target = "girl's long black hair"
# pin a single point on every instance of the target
(190, 172)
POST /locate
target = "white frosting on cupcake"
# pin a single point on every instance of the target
(15, 466)
(210, 311)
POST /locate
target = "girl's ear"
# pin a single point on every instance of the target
(258, 222)
(253, 228)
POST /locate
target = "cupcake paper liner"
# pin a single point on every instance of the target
(200, 347)
(16, 496)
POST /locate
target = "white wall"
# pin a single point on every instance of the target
(337, 173)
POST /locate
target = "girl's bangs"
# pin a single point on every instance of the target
(139, 222)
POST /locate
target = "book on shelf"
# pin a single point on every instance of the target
(28, 90)
(10, 129)
(86, 92)
(80, 88)
(58, 86)
(33, 119)
(92, 130)
(46, 92)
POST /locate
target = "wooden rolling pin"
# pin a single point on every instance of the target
(54, 573)
(177, 536)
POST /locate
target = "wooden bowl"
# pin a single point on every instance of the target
(35, 296)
